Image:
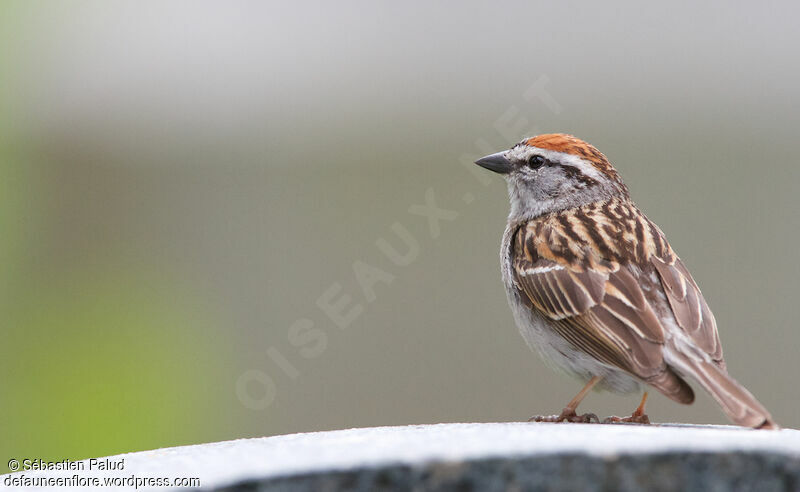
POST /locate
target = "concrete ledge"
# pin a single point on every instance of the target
(497, 456)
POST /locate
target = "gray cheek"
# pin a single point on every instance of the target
(546, 183)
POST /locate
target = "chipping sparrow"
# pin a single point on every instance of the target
(596, 288)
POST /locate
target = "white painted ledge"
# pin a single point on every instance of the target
(483, 456)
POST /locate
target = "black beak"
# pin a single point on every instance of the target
(495, 162)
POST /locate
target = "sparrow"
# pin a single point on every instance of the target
(595, 287)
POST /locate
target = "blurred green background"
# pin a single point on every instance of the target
(181, 182)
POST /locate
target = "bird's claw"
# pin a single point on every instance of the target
(633, 419)
(567, 415)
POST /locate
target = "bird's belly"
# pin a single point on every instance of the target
(560, 354)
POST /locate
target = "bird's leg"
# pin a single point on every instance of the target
(568, 414)
(637, 417)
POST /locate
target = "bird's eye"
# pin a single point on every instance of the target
(536, 161)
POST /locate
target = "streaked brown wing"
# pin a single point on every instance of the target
(604, 314)
(600, 307)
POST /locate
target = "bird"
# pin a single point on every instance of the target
(597, 290)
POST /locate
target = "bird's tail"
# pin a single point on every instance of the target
(739, 405)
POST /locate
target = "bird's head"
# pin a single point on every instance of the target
(554, 172)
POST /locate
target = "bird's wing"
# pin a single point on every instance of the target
(600, 310)
(592, 278)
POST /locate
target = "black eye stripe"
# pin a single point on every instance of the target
(576, 174)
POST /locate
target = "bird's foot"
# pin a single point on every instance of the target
(637, 417)
(567, 415)
(633, 419)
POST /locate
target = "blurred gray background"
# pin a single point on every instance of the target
(182, 182)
